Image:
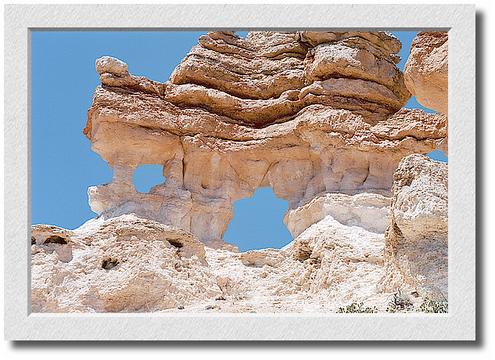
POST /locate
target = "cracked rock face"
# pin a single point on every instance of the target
(426, 70)
(416, 243)
(301, 112)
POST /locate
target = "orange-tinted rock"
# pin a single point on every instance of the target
(302, 112)
(426, 70)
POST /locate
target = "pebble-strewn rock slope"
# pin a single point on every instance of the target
(318, 117)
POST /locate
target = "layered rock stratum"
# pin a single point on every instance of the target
(316, 116)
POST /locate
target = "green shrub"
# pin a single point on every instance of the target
(433, 306)
(399, 302)
(357, 308)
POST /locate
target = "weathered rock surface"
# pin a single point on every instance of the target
(123, 264)
(318, 117)
(369, 210)
(426, 70)
(129, 264)
(52, 239)
(416, 243)
(302, 112)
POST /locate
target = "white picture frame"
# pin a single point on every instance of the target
(458, 324)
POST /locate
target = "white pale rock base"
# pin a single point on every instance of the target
(129, 264)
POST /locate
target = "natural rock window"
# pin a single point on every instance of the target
(259, 217)
(413, 103)
(147, 176)
(438, 155)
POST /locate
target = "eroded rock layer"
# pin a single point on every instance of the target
(301, 112)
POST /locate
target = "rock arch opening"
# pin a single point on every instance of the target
(258, 222)
(242, 34)
(413, 103)
(147, 176)
(438, 155)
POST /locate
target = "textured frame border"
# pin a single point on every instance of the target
(458, 324)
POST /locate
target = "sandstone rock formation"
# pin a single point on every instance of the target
(302, 112)
(128, 264)
(426, 70)
(122, 264)
(318, 117)
(416, 243)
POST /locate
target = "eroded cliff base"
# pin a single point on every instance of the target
(337, 259)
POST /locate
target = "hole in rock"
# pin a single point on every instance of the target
(175, 243)
(438, 156)
(55, 239)
(33, 240)
(258, 222)
(414, 104)
(242, 34)
(109, 263)
(303, 252)
(147, 176)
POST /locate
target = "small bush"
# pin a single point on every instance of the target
(432, 306)
(399, 302)
(357, 308)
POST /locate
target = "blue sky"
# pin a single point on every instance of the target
(63, 165)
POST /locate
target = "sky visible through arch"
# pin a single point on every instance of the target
(63, 165)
